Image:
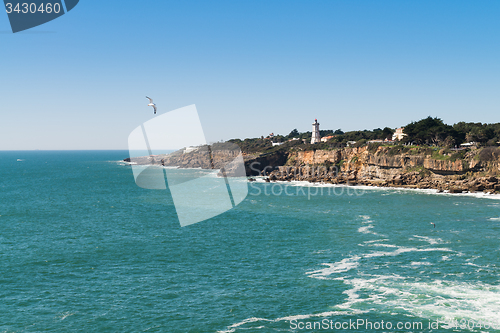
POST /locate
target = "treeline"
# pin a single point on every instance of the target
(428, 131)
(341, 136)
(433, 131)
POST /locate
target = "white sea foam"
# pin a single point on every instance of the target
(420, 263)
(402, 250)
(375, 240)
(366, 229)
(444, 300)
(429, 240)
(339, 267)
(232, 328)
(388, 190)
(494, 218)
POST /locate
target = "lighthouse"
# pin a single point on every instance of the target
(315, 134)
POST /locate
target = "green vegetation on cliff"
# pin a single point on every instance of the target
(425, 133)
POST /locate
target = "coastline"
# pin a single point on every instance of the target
(308, 182)
(263, 180)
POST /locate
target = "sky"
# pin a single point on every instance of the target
(251, 68)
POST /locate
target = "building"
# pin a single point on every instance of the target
(315, 133)
(469, 144)
(326, 138)
(398, 134)
(190, 149)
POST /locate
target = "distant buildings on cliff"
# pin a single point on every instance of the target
(398, 135)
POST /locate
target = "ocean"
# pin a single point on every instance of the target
(83, 249)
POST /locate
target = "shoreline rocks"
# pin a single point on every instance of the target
(415, 168)
(411, 179)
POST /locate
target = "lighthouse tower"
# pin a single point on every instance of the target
(315, 134)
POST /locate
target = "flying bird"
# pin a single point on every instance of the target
(151, 103)
(434, 224)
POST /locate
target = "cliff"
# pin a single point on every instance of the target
(412, 167)
(405, 166)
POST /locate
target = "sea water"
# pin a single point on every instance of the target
(83, 249)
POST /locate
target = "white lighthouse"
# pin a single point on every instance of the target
(315, 134)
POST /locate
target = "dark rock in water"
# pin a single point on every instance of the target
(267, 180)
(251, 179)
(456, 190)
(127, 159)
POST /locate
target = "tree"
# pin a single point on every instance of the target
(387, 133)
(293, 134)
(429, 130)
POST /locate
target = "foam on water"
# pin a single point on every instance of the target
(402, 250)
(437, 300)
(232, 328)
(420, 263)
(338, 267)
(429, 240)
(388, 190)
(366, 229)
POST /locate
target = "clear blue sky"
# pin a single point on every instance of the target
(251, 68)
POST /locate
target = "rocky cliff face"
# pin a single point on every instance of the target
(356, 158)
(383, 168)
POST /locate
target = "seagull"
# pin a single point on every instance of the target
(434, 224)
(151, 103)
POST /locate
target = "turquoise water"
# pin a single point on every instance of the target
(84, 249)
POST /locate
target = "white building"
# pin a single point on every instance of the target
(398, 135)
(315, 133)
(326, 138)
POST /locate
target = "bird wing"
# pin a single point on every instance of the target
(154, 107)
(150, 100)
